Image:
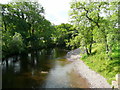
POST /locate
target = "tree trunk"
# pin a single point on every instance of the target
(107, 49)
(106, 45)
(90, 48)
(87, 52)
(91, 41)
(6, 62)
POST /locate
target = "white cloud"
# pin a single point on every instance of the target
(56, 10)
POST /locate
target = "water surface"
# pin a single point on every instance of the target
(47, 68)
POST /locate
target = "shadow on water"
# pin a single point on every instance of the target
(39, 69)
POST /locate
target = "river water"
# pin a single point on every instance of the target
(47, 68)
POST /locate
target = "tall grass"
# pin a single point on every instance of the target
(99, 62)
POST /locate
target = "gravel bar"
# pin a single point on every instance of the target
(94, 79)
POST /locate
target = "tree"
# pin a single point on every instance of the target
(23, 17)
(27, 19)
(91, 22)
(82, 18)
(63, 34)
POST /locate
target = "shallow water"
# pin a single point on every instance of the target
(41, 69)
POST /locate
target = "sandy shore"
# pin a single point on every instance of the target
(94, 79)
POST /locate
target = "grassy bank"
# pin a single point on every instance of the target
(100, 62)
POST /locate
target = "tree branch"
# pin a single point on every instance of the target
(91, 18)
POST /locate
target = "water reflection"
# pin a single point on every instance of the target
(45, 68)
(28, 67)
(58, 76)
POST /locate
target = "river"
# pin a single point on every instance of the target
(47, 68)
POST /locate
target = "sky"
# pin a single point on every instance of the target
(56, 11)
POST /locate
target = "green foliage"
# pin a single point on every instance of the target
(63, 34)
(74, 42)
(12, 44)
(16, 44)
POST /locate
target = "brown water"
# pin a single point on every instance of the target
(41, 69)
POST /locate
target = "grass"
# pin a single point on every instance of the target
(99, 62)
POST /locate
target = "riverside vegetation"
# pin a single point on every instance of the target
(93, 26)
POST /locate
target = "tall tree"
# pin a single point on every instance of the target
(90, 19)
(27, 19)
